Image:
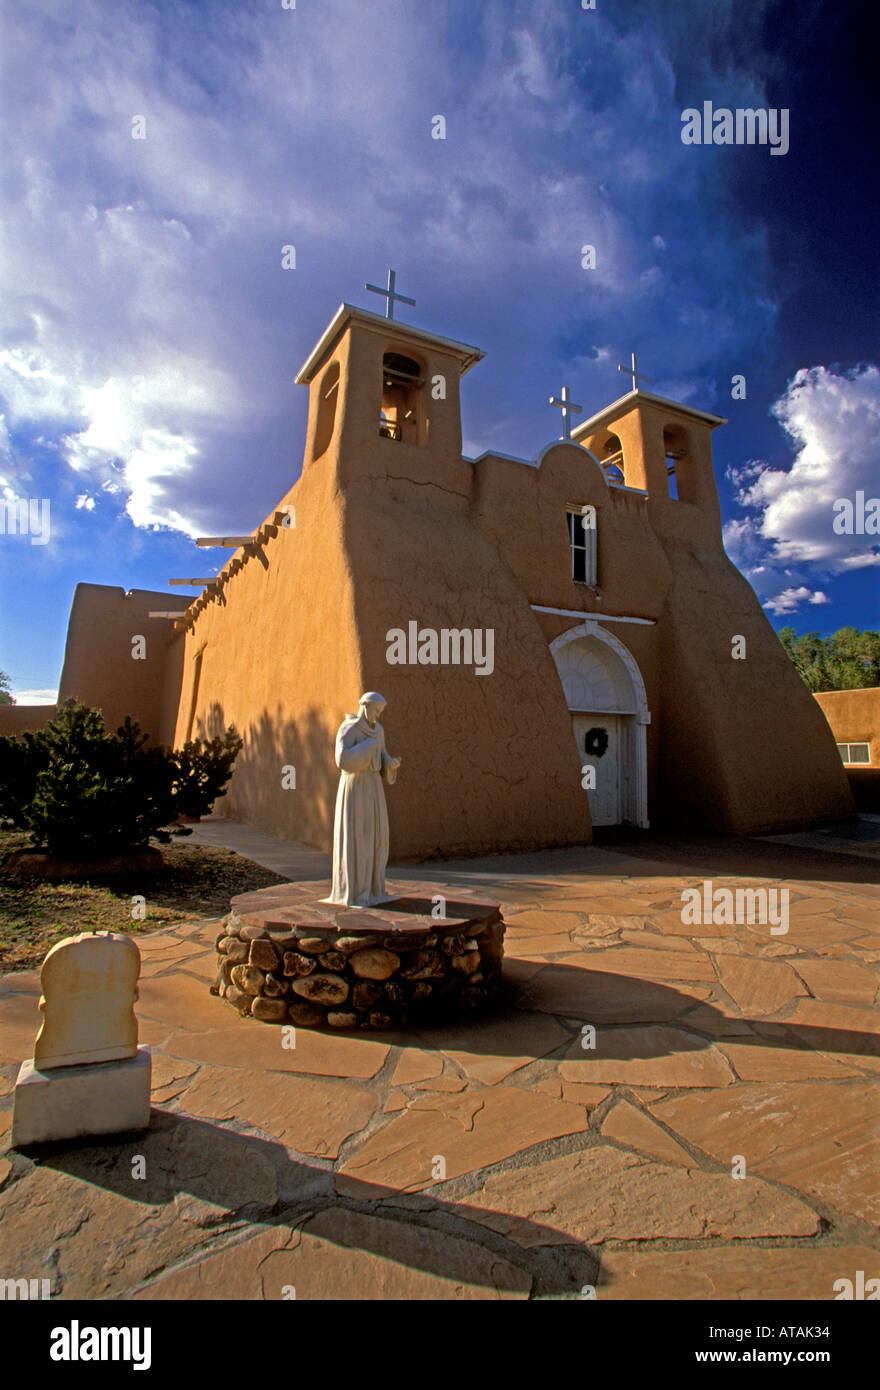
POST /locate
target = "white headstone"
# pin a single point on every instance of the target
(88, 1076)
(89, 985)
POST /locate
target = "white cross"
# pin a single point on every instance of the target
(390, 294)
(633, 372)
(565, 405)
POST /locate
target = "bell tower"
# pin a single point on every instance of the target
(384, 396)
(659, 447)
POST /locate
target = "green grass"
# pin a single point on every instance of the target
(194, 882)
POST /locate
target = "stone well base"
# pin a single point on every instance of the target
(286, 956)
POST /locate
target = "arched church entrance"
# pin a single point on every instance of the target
(606, 697)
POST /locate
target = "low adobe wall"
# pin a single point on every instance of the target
(15, 719)
(854, 716)
(106, 669)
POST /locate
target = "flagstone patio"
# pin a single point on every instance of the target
(508, 1157)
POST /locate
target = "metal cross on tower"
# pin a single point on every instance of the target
(634, 373)
(565, 405)
(390, 294)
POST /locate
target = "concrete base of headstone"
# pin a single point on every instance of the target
(74, 1102)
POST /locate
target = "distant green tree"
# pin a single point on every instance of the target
(6, 697)
(847, 660)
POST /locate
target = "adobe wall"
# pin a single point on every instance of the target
(471, 780)
(523, 509)
(99, 669)
(389, 532)
(733, 745)
(743, 749)
(15, 719)
(279, 660)
(384, 535)
(172, 679)
(488, 761)
(854, 717)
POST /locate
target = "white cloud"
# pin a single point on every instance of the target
(124, 449)
(792, 599)
(833, 419)
(33, 387)
(742, 542)
(35, 697)
(7, 455)
(152, 333)
(865, 560)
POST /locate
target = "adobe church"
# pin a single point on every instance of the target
(562, 643)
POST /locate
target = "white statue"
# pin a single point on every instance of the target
(360, 829)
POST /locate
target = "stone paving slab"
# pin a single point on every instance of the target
(587, 1132)
(604, 1195)
(719, 1273)
(822, 1137)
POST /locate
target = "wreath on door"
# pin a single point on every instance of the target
(596, 742)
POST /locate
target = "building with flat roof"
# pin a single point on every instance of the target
(563, 643)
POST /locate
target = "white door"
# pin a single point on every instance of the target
(605, 799)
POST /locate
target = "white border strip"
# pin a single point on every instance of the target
(599, 617)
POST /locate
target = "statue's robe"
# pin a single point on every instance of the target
(360, 830)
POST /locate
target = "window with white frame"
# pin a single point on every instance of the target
(582, 541)
(854, 753)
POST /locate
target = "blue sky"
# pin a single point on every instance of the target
(150, 335)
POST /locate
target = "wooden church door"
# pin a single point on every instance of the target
(605, 798)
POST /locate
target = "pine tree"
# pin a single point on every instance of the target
(80, 791)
